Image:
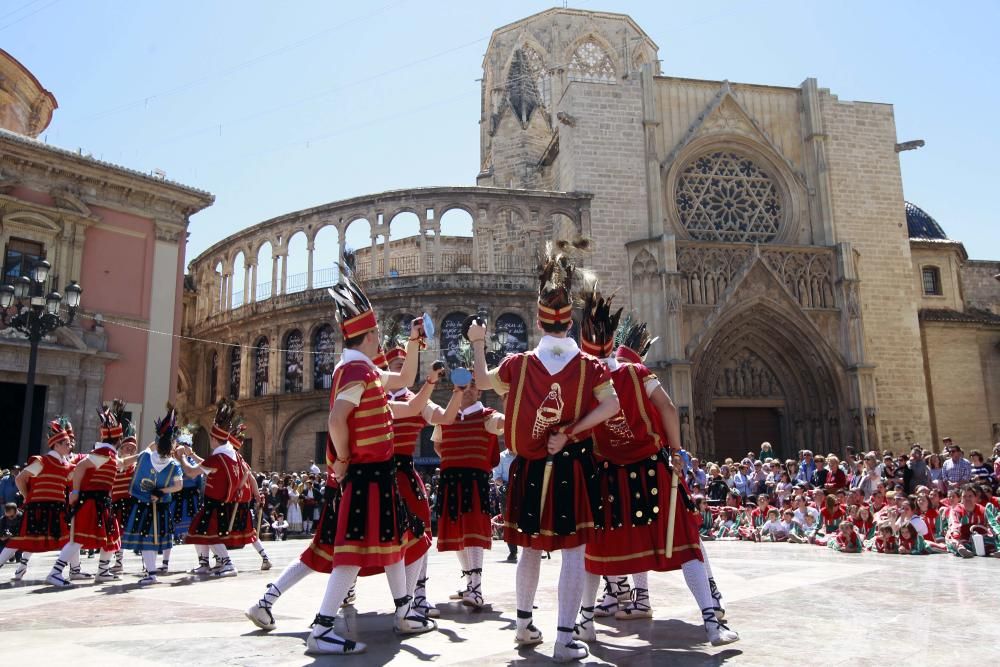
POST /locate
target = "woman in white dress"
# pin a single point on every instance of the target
(294, 509)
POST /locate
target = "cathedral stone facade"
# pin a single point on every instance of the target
(761, 230)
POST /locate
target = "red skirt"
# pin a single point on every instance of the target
(636, 504)
(244, 530)
(211, 524)
(463, 507)
(94, 524)
(372, 519)
(43, 528)
(565, 516)
(318, 556)
(411, 490)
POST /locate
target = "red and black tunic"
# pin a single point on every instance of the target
(372, 520)
(469, 452)
(211, 524)
(537, 404)
(121, 499)
(43, 526)
(94, 523)
(244, 530)
(635, 479)
(405, 435)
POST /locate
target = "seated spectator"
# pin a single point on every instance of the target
(806, 467)
(10, 525)
(775, 529)
(832, 515)
(846, 539)
(836, 479)
(758, 517)
(936, 521)
(280, 527)
(741, 482)
(911, 543)
(864, 521)
(729, 522)
(809, 529)
(981, 472)
(885, 542)
(707, 527)
(968, 518)
(717, 488)
(803, 510)
(783, 489)
(818, 480)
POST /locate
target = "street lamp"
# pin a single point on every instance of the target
(35, 318)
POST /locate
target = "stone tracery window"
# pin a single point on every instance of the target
(590, 62)
(261, 354)
(726, 196)
(294, 358)
(234, 372)
(325, 357)
(213, 379)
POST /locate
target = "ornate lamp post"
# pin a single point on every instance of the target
(35, 317)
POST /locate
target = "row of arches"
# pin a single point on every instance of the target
(312, 259)
(297, 375)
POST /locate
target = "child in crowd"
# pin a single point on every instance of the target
(758, 517)
(809, 528)
(705, 517)
(831, 515)
(774, 528)
(864, 521)
(783, 490)
(911, 543)
(727, 525)
(885, 542)
(846, 540)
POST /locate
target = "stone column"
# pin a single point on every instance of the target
(284, 273)
(228, 278)
(251, 288)
(274, 274)
(309, 275)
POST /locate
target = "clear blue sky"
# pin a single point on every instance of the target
(276, 107)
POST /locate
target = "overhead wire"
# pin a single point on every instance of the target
(28, 15)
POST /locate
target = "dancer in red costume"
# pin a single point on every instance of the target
(224, 472)
(554, 395)
(248, 503)
(93, 524)
(468, 447)
(43, 484)
(637, 532)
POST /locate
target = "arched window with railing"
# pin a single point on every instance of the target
(234, 372)
(324, 350)
(261, 354)
(294, 359)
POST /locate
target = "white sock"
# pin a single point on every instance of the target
(221, 551)
(526, 583)
(166, 555)
(423, 567)
(475, 558)
(705, 562)
(396, 574)
(291, 575)
(202, 551)
(340, 581)
(74, 560)
(413, 574)
(6, 555)
(571, 591)
(463, 559)
(640, 580)
(67, 555)
(697, 583)
(149, 562)
(591, 582)
(259, 546)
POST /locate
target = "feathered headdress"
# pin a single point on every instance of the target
(185, 434)
(394, 340)
(238, 433)
(60, 430)
(633, 340)
(128, 431)
(556, 273)
(165, 429)
(225, 411)
(112, 418)
(598, 324)
(354, 310)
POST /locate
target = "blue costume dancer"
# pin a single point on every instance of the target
(187, 501)
(149, 529)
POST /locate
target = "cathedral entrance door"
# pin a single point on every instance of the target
(739, 430)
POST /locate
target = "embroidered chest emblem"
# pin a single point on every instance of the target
(549, 413)
(621, 434)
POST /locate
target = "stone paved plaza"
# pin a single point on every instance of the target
(793, 605)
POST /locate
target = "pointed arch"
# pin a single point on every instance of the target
(591, 61)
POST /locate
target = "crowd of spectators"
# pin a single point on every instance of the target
(919, 502)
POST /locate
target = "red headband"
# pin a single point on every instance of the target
(599, 351)
(395, 353)
(219, 433)
(627, 354)
(548, 315)
(57, 434)
(359, 324)
(114, 432)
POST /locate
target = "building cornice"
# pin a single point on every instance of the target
(38, 166)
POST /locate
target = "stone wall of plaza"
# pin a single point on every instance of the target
(274, 350)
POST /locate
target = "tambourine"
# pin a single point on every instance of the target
(461, 377)
(468, 322)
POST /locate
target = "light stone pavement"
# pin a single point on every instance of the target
(792, 604)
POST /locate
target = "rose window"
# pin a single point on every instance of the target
(725, 196)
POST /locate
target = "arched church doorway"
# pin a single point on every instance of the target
(764, 374)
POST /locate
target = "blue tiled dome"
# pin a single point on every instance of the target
(921, 225)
